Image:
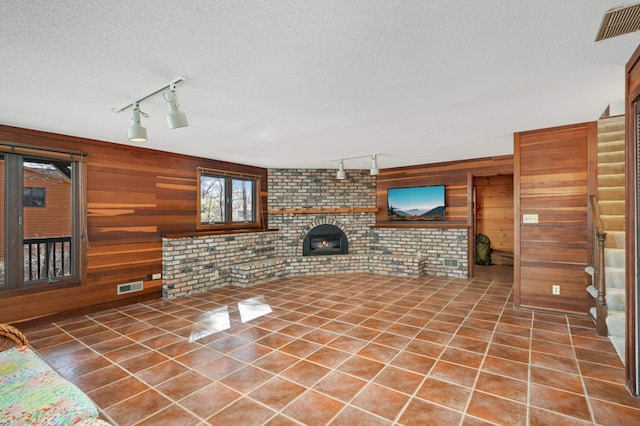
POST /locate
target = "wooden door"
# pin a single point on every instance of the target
(554, 174)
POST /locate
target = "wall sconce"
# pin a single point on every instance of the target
(175, 118)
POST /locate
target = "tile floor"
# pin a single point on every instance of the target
(354, 349)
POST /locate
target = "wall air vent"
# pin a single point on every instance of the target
(450, 263)
(623, 20)
(130, 287)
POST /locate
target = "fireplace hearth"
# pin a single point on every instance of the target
(325, 240)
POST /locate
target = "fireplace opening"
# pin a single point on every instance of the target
(325, 240)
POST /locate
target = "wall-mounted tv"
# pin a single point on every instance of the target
(418, 203)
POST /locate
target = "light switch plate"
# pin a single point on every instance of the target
(529, 218)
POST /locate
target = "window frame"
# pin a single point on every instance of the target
(13, 156)
(229, 177)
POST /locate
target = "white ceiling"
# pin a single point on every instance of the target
(301, 84)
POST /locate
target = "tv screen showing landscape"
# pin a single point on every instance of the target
(418, 203)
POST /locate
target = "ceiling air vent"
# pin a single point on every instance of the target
(620, 21)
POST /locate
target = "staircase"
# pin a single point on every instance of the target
(611, 193)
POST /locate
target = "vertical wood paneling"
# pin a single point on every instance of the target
(134, 196)
(494, 211)
(554, 175)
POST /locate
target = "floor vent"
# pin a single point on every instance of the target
(130, 287)
(620, 21)
(450, 263)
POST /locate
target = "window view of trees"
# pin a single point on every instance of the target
(226, 199)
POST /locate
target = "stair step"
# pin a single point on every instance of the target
(614, 277)
(610, 157)
(610, 193)
(616, 179)
(616, 323)
(593, 292)
(614, 258)
(611, 168)
(616, 299)
(615, 239)
(612, 222)
(615, 207)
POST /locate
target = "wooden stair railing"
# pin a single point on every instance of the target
(599, 272)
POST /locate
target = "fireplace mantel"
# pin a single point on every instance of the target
(324, 210)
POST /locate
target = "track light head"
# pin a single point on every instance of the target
(175, 118)
(374, 165)
(137, 133)
(341, 173)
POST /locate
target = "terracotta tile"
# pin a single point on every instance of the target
(337, 327)
(444, 393)
(226, 345)
(509, 340)
(277, 392)
(594, 343)
(313, 408)
(399, 379)
(479, 323)
(246, 379)
(100, 377)
(210, 399)
(602, 372)
(453, 373)
(172, 415)
(350, 416)
(468, 344)
(553, 362)
(219, 367)
(434, 336)
(328, 357)
(360, 367)
(378, 352)
(242, 412)
(320, 337)
(558, 401)
(606, 413)
(474, 333)
(340, 386)
(88, 364)
(279, 420)
(160, 341)
(379, 400)
(183, 385)
(161, 372)
(276, 362)
(299, 348)
(392, 340)
(250, 352)
(363, 333)
(611, 392)
(137, 407)
(420, 413)
(497, 410)
(605, 358)
(421, 347)
(538, 417)
(508, 352)
(376, 324)
(142, 362)
(556, 379)
(305, 373)
(458, 356)
(114, 392)
(551, 348)
(414, 362)
(501, 386)
(275, 340)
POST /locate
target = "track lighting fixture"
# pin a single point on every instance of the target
(374, 170)
(374, 165)
(175, 118)
(137, 133)
(341, 173)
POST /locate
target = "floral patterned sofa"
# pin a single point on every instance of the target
(32, 393)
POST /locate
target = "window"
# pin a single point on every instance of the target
(40, 204)
(227, 199)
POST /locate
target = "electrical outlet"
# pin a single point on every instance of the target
(555, 289)
(156, 276)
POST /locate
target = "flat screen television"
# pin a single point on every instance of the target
(417, 203)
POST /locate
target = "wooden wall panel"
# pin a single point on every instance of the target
(134, 196)
(555, 174)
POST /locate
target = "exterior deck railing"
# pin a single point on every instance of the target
(47, 258)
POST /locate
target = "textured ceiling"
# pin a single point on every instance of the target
(301, 84)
